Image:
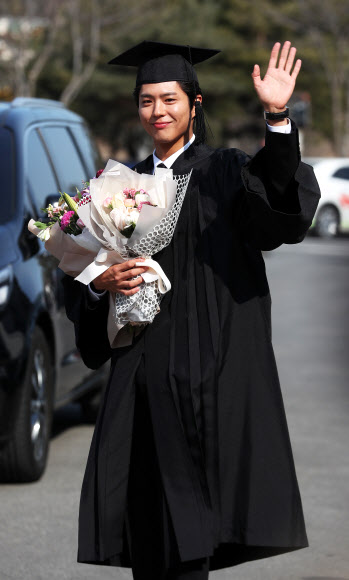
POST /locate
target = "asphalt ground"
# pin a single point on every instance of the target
(309, 284)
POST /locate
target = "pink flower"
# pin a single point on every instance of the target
(107, 202)
(65, 221)
(129, 203)
(85, 191)
(130, 193)
(99, 172)
(139, 206)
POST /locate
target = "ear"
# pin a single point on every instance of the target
(198, 99)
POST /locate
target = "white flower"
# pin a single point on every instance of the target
(139, 197)
(132, 217)
(44, 235)
(118, 217)
(118, 200)
(134, 214)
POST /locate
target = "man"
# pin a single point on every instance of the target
(191, 467)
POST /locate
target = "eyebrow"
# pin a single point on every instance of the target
(163, 95)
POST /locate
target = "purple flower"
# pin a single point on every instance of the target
(65, 221)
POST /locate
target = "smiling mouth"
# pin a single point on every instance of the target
(160, 125)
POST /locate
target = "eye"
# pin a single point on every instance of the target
(146, 101)
(170, 100)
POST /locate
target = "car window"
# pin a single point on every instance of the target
(342, 173)
(68, 164)
(88, 151)
(7, 175)
(40, 174)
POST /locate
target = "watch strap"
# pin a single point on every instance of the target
(277, 116)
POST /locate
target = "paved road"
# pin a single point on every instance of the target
(310, 290)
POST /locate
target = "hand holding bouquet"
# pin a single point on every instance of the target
(117, 216)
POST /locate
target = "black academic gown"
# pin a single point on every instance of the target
(215, 402)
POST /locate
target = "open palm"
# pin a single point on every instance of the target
(275, 90)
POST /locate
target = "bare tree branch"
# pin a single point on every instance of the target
(49, 46)
(327, 28)
(127, 14)
(130, 20)
(82, 72)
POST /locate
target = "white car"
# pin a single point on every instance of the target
(332, 214)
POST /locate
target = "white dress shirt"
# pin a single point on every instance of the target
(279, 128)
(170, 161)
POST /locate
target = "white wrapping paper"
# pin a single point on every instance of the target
(101, 245)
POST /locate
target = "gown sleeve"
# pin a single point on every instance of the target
(90, 322)
(280, 194)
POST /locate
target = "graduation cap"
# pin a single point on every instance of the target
(159, 62)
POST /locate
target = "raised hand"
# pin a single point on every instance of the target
(275, 90)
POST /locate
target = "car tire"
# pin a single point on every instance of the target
(25, 456)
(327, 222)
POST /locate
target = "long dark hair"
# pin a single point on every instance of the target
(191, 89)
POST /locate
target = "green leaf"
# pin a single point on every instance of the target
(73, 206)
(41, 226)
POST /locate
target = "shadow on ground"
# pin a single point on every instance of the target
(323, 578)
(67, 417)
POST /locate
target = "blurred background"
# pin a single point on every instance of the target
(58, 49)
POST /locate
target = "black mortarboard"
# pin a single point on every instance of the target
(159, 62)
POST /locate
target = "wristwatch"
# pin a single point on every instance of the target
(277, 116)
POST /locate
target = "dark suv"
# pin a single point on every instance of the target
(44, 149)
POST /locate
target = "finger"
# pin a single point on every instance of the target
(256, 72)
(274, 55)
(129, 264)
(129, 292)
(290, 59)
(297, 68)
(284, 54)
(127, 274)
(127, 284)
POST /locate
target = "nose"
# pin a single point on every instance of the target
(159, 108)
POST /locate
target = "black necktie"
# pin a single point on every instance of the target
(162, 166)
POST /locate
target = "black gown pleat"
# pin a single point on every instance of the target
(214, 401)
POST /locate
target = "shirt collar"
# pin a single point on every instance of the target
(170, 160)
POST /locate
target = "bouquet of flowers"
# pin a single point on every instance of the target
(65, 213)
(118, 215)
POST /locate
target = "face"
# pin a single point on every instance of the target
(165, 113)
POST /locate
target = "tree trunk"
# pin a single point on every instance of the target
(82, 72)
